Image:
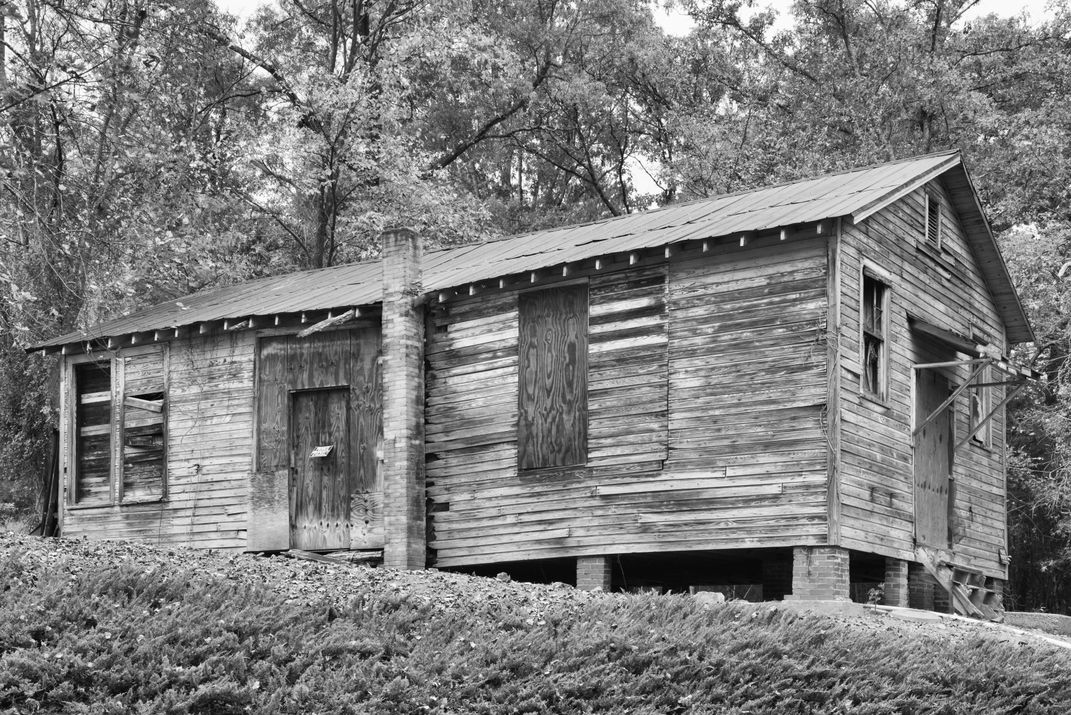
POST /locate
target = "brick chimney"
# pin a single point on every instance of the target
(403, 401)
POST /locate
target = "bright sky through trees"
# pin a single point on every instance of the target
(677, 23)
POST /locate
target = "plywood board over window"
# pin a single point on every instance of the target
(553, 365)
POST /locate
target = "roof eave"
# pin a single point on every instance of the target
(1014, 314)
(906, 188)
(995, 271)
(102, 339)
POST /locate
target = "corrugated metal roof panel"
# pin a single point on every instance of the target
(359, 284)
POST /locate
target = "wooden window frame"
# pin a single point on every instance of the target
(163, 352)
(979, 403)
(527, 461)
(879, 334)
(71, 414)
(117, 429)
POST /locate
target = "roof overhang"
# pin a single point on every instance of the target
(948, 338)
(979, 235)
(322, 294)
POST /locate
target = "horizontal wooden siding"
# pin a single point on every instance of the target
(209, 452)
(748, 391)
(944, 288)
(705, 395)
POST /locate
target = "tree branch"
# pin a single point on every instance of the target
(485, 130)
(217, 35)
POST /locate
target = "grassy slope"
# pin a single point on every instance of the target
(112, 627)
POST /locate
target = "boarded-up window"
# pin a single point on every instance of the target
(553, 406)
(120, 440)
(144, 415)
(875, 336)
(933, 220)
(92, 433)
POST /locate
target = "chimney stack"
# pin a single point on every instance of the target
(403, 401)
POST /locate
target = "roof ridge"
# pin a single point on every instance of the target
(693, 202)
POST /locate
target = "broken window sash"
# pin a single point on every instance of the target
(143, 427)
(1016, 388)
(119, 438)
(875, 336)
(979, 399)
(91, 484)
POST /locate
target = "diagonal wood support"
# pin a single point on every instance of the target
(971, 593)
(1015, 390)
(329, 322)
(980, 366)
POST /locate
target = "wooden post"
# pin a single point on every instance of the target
(403, 401)
(833, 386)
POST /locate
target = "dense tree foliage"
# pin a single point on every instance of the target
(152, 148)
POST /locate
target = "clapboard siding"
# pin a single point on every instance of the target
(706, 385)
(946, 289)
(627, 368)
(748, 384)
(471, 415)
(209, 429)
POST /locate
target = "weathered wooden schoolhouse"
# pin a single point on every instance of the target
(791, 389)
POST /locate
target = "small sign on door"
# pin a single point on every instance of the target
(321, 451)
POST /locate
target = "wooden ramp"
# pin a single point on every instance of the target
(970, 591)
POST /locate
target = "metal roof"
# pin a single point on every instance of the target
(856, 193)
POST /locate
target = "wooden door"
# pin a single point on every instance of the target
(320, 469)
(933, 453)
(289, 370)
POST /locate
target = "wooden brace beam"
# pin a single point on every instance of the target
(983, 422)
(328, 322)
(982, 363)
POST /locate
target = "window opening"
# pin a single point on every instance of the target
(93, 433)
(144, 462)
(119, 436)
(979, 408)
(875, 353)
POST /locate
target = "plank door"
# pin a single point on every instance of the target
(933, 457)
(320, 468)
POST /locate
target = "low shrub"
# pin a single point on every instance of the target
(114, 628)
